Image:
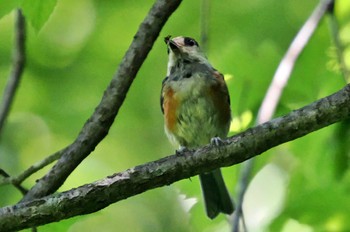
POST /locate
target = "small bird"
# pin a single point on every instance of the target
(196, 105)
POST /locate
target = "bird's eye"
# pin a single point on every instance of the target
(190, 42)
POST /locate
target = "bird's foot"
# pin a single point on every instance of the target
(216, 141)
(181, 150)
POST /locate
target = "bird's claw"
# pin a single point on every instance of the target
(216, 141)
(181, 150)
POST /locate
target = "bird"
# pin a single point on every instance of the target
(195, 103)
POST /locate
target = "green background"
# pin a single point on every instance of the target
(73, 50)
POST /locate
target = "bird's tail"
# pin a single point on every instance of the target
(216, 196)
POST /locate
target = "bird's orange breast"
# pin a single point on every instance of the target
(170, 105)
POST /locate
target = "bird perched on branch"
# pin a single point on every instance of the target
(196, 107)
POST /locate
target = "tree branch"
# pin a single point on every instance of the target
(285, 68)
(274, 92)
(236, 149)
(18, 63)
(97, 126)
(16, 185)
(16, 180)
(204, 24)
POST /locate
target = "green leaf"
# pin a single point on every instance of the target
(38, 11)
(7, 6)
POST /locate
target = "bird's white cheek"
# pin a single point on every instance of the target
(171, 62)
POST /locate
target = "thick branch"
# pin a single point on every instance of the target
(95, 196)
(97, 126)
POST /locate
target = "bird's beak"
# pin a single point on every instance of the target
(171, 43)
(174, 47)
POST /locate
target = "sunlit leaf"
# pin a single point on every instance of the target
(293, 225)
(37, 12)
(241, 122)
(7, 6)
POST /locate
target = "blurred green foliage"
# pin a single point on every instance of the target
(72, 56)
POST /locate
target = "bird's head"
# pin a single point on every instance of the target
(184, 48)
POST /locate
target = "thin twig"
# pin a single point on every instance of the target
(242, 187)
(205, 15)
(163, 172)
(17, 186)
(272, 97)
(31, 170)
(286, 66)
(14, 79)
(334, 27)
(18, 62)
